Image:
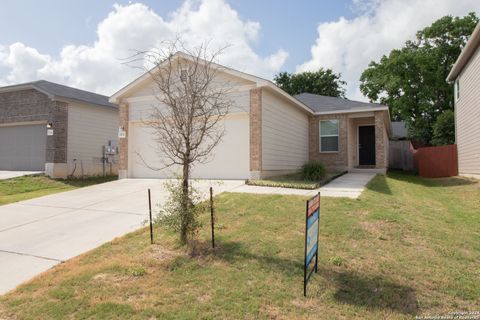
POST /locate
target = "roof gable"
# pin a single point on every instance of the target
(57, 91)
(146, 78)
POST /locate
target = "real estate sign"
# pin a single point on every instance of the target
(311, 239)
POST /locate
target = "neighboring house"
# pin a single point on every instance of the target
(268, 132)
(399, 130)
(49, 127)
(466, 77)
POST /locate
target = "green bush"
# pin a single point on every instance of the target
(172, 214)
(313, 171)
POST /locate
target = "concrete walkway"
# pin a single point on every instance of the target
(350, 185)
(39, 233)
(13, 174)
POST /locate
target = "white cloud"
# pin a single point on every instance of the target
(127, 28)
(24, 62)
(348, 45)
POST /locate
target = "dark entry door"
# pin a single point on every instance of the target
(366, 145)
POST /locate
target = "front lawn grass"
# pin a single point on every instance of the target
(294, 180)
(28, 187)
(407, 247)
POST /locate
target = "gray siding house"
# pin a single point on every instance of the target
(61, 130)
(465, 75)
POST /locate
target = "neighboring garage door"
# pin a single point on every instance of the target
(23, 147)
(230, 159)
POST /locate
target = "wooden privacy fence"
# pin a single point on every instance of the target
(401, 155)
(436, 162)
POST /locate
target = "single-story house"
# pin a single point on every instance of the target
(57, 129)
(268, 132)
(465, 75)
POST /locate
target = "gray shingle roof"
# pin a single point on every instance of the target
(319, 103)
(59, 91)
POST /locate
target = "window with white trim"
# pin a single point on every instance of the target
(328, 135)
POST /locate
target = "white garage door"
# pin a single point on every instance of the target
(230, 159)
(23, 147)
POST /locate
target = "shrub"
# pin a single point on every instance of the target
(313, 171)
(172, 214)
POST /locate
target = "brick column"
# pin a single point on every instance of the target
(255, 133)
(56, 153)
(123, 142)
(380, 148)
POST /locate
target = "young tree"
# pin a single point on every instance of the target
(187, 120)
(323, 81)
(411, 80)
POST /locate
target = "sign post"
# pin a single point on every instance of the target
(311, 239)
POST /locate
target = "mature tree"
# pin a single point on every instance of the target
(411, 80)
(187, 120)
(323, 81)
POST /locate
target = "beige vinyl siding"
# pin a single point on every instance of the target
(89, 128)
(221, 79)
(467, 110)
(284, 134)
(141, 108)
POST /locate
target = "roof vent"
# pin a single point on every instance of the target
(183, 75)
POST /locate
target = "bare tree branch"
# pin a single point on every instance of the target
(191, 102)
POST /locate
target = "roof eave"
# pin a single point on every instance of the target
(380, 108)
(465, 55)
(26, 86)
(67, 99)
(292, 99)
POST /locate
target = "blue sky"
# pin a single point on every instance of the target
(57, 23)
(79, 43)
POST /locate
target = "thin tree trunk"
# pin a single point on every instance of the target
(185, 203)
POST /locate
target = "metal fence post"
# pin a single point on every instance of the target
(150, 214)
(212, 218)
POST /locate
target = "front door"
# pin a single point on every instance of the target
(366, 145)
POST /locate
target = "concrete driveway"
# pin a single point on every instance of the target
(40, 233)
(5, 174)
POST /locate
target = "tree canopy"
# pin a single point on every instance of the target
(323, 81)
(411, 80)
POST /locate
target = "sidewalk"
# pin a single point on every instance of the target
(350, 185)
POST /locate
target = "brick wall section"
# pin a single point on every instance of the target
(123, 142)
(23, 106)
(332, 160)
(32, 105)
(57, 144)
(380, 140)
(255, 129)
